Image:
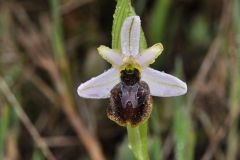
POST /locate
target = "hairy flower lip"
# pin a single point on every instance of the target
(160, 83)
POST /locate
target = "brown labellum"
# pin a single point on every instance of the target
(130, 104)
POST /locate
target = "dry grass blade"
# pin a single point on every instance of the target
(36, 47)
(72, 5)
(90, 142)
(41, 85)
(61, 141)
(11, 147)
(215, 135)
(212, 52)
(40, 142)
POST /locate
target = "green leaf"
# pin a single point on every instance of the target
(123, 10)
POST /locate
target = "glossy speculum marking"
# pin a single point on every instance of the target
(130, 100)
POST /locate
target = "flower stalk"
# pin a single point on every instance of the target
(138, 141)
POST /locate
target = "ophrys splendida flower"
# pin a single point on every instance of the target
(130, 81)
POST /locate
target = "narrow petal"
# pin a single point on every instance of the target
(110, 55)
(100, 86)
(149, 55)
(162, 84)
(130, 35)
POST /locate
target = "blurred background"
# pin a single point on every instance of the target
(47, 48)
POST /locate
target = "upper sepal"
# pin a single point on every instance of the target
(130, 36)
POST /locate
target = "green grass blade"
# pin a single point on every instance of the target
(37, 155)
(156, 145)
(158, 20)
(236, 19)
(58, 44)
(156, 148)
(234, 102)
(57, 37)
(4, 123)
(182, 128)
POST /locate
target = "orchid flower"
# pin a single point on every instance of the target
(129, 57)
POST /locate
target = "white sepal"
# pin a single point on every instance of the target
(130, 36)
(149, 55)
(162, 84)
(100, 86)
(110, 55)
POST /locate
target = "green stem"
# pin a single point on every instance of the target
(137, 138)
